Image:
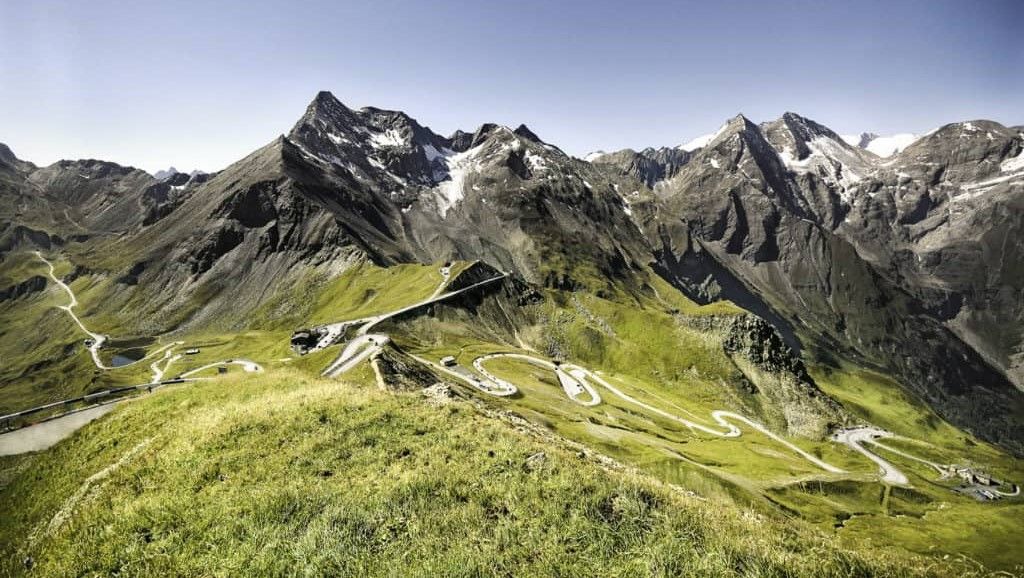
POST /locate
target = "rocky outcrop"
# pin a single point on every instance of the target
(910, 264)
(399, 372)
(23, 237)
(899, 265)
(778, 374)
(771, 379)
(648, 166)
(33, 284)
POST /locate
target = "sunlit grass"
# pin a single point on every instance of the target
(282, 474)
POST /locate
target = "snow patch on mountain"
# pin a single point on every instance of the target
(887, 146)
(336, 139)
(831, 161)
(388, 138)
(537, 162)
(1014, 164)
(703, 140)
(458, 167)
(851, 139)
(883, 146)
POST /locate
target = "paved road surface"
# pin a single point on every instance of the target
(43, 435)
(573, 385)
(355, 352)
(96, 337)
(575, 381)
(484, 383)
(857, 437)
(248, 366)
(365, 344)
(168, 358)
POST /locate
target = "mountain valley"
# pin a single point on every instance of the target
(768, 327)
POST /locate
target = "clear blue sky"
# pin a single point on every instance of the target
(200, 84)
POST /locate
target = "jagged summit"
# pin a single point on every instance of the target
(324, 110)
(783, 217)
(326, 101)
(6, 154)
(525, 132)
(805, 129)
(10, 160)
(165, 174)
(865, 139)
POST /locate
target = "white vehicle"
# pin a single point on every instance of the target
(448, 361)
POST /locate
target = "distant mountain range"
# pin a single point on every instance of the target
(903, 254)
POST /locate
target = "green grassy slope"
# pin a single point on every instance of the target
(42, 356)
(641, 347)
(283, 474)
(43, 359)
(358, 292)
(651, 343)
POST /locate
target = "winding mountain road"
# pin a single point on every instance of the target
(97, 339)
(355, 352)
(576, 381)
(247, 365)
(857, 437)
(584, 375)
(44, 434)
(366, 344)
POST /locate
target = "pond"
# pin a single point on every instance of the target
(127, 357)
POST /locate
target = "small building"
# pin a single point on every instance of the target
(192, 351)
(222, 369)
(303, 340)
(448, 361)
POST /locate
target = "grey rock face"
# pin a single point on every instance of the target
(648, 166)
(33, 284)
(898, 263)
(911, 264)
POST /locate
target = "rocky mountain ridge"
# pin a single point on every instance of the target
(908, 264)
